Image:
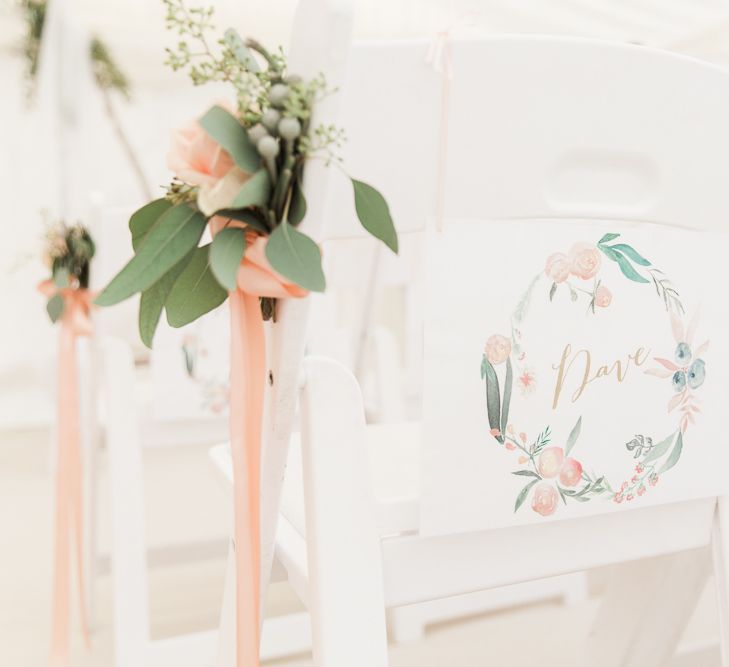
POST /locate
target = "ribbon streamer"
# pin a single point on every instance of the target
(255, 279)
(75, 322)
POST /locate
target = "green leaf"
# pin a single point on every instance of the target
(484, 361)
(493, 398)
(250, 218)
(609, 252)
(526, 473)
(674, 456)
(297, 208)
(226, 254)
(55, 307)
(255, 191)
(61, 276)
(166, 243)
(195, 292)
(660, 449)
(296, 256)
(631, 253)
(241, 51)
(225, 129)
(374, 214)
(607, 238)
(574, 434)
(153, 301)
(552, 291)
(142, 219)
(628, 271)
(523, 494)
(506, 401)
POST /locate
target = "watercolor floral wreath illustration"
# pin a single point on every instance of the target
(552, 473)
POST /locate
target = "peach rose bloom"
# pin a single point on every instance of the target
(199, 160)
(603, 297)
(557, 268)
(570, 473)
(550, 462)
(498, 349)
(544, 500)
(584, 260)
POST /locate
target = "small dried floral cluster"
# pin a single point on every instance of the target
(68, 251)
(239, 171)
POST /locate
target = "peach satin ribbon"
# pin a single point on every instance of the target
(256, 279)
(75, 322)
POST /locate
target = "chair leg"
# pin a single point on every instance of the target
(645, 609)
(226, 635)
(128, 548)
(346, 599)
(720, 555)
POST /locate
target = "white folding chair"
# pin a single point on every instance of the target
(539, 130)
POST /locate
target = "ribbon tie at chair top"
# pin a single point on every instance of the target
(255, 279)
(75, 321)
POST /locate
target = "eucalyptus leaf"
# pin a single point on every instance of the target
(255, 191)
(225, 129)
(61, 276)
(226, 254)
(142, 219)
(572, 439)
(195, 292)
(631, 253)
(374, 214)
(166, 243)
(241, 51)
(297, 208)
(247, 216)
(523, 494)
(674, 456)
(493, 399)
(153, 300)
(296, 256)
(55, 307)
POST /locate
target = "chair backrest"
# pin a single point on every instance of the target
(554, 147)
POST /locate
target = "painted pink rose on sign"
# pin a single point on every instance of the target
(557, 268)
(584, 260)
(571, 472)
(550, 462)
(603, 297)
(498, 349)
(544, 499)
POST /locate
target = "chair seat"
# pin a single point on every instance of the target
(394, 456)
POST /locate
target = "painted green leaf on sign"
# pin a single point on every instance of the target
(142, 220)
(153, 300)
(493, 399)
(572, 439)
(296, 256)
(255, 191)
(659, 449)
(226, 253)
(506, 401)
(523, 494)
(631, 253)
(374, 214)
(674, 456)
(628, 271)
(166, 243)
(224, 127)
(195, 292)
(607, 238)
(55, 307)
